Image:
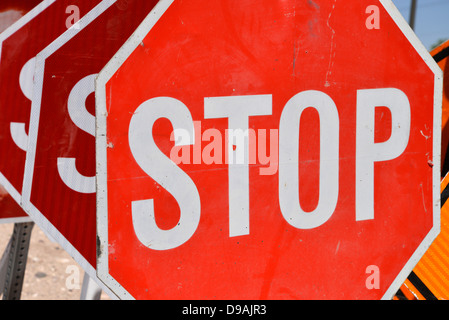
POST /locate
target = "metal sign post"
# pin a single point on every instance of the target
(413, 14)
(90, 289)
(14, 260)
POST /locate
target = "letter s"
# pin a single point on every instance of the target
(165, 172)
(17, 129)
(86, 122)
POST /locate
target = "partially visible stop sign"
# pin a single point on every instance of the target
(19, 45)
(267, 150)
(10, 12)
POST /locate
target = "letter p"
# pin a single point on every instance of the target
(367, 151)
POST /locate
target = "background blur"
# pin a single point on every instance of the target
(431, 23)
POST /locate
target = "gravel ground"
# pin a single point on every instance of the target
(51, 273)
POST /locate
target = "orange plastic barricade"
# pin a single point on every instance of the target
(429, 279)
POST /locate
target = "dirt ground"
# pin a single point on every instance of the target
(51, 273)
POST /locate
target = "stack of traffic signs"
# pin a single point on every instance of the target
(20, 43)
(225, 149)
(49, 61)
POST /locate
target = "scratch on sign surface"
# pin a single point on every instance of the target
(332, 49)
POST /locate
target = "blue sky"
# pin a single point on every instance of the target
(432, 19)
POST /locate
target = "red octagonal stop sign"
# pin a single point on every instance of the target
(267, 150)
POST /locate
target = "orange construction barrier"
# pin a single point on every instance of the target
(429, 279)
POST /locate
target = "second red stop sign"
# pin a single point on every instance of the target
(59, 183)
